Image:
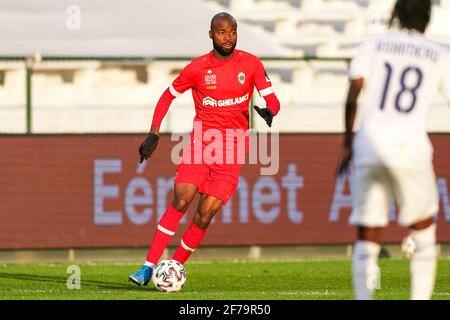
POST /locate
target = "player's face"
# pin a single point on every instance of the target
(224, 36)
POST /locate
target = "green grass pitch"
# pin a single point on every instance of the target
(278, 280)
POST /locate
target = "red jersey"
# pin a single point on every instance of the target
(222, 89)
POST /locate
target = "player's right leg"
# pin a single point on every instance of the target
(423, 259)
(372, 196)
(418, 203)
(184, 194)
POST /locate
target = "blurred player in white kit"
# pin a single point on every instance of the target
(401, 72)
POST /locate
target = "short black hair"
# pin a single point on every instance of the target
(412, 14)
(222, 15)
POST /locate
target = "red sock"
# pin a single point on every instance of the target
(190, 241)
(164, 232)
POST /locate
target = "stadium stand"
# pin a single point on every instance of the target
(118, 96)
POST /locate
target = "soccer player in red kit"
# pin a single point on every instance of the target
(222, 83)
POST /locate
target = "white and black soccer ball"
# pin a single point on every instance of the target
(169, 276)
(408, 247)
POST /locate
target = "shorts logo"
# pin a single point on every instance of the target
(241, 77)
(208, 101)
(210, 78)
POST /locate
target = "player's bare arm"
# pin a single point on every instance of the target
(351, 106)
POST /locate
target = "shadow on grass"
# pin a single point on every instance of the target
(123, 286)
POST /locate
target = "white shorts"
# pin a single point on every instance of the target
(374, 189)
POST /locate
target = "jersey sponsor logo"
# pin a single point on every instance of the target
(208, 101)
(210, 78)
(241, 77)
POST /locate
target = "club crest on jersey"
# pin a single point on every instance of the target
(241, 77)
(210, 78)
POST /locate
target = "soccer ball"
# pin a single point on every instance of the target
(169, 276)
(408, 247)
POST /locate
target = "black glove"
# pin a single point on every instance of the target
(148, 146)
(266, 114)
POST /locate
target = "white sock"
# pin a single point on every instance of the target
(149, 264)
(423, 263)
(366, 274)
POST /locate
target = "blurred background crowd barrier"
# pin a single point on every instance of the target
(78, 84)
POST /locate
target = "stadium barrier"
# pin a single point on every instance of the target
(88, 191)
(33, 63)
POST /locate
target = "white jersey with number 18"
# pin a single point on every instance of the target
(402, 73)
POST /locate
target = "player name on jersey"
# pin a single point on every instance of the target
(421, 52)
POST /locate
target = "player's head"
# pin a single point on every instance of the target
(412, 14)
(223, 33)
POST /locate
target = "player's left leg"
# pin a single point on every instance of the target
(208, 206)
(365, 270)
(372, 195)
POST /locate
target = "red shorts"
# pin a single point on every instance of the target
(219, 180)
